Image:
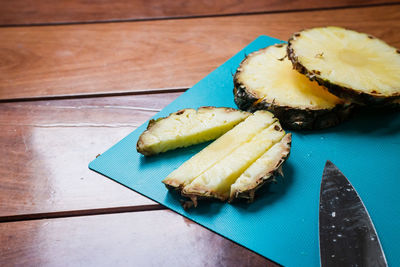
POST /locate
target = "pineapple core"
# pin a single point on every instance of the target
(219, 149)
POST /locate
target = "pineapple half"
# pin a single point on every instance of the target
(266, 80)
(352, 65)
(218, 150)
(188, 127)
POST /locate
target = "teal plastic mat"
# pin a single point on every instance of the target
(282, 223)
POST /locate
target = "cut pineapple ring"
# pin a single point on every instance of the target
(266, 80)
(352, 65)
(188, 127)
(269, 75)
(219, 149)
(261, 170)
(217, 180)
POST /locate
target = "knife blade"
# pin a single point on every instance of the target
(347, 236)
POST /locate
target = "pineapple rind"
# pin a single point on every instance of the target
(219, 149)
(314, 109)
(307, 119)
(261, 171)
(395, 104)
(217, 180)
(366, 86)
(188, 127)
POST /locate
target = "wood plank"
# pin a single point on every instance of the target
(20, 12)
(153, 238)
(153, 55)
(46, 147)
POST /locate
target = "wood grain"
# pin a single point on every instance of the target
(46, 147)
(153, 55)
(153, 238)
(20, 12)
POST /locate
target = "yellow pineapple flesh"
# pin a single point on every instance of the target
(261, 170)
(349, 63)
(219, 149)
(216, 181)
(188, 127)
(269, 75)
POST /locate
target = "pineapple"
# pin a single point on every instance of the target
(266, 80)
(262, 170)
(354, 66)
(187, 127)
(219, 149)
(217, 180)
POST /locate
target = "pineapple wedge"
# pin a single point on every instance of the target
(266, 80)
(219, 149)
(217, 180)
(352, 65)
(262, 170)
(187, 127)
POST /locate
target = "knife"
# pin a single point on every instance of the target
(347, 236)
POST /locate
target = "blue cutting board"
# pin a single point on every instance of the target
(282, 223)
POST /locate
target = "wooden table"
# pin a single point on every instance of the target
(77, 76)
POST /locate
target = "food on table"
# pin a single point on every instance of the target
(262, 170)
(335, 67)
(211, 172)
(266, 80)
(219, 149)
(188, 127)
(354, 66)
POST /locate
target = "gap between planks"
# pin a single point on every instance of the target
(94, 95)
(201, 16)
(76, 213)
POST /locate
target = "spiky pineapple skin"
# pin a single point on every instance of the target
(395, 104)
(242, 97)
(140, 145)
(343, 92)
(307, 119)
(290, 117)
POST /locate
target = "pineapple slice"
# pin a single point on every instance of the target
(187, 127)
(262, 170)
(352, 65)
(219, 149)
(266, 80)
(217, 180)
